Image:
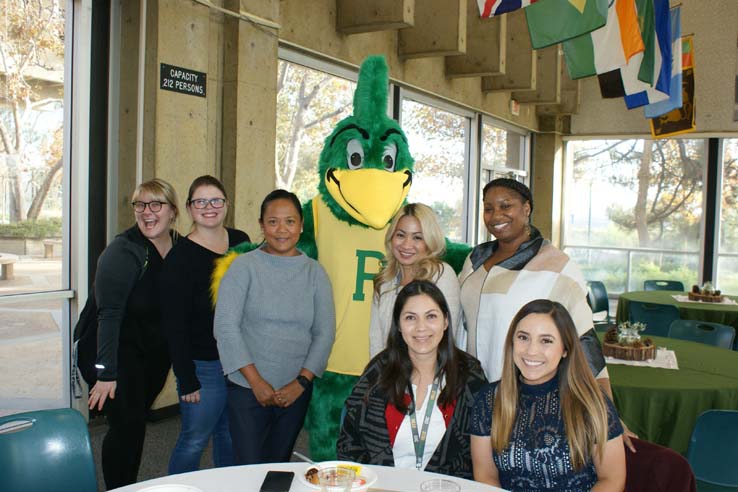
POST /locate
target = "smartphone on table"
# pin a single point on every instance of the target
(277, 481)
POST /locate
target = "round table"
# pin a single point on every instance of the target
(662, 405)
(249, 478)
(726, 314)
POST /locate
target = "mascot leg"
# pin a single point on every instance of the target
(324, 415)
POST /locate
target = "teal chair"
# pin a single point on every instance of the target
(703, 332)
(599, 302)
(713, 450)
(663, 285)
(46, 450)
(657, 317)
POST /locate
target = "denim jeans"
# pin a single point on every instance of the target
(201, 420)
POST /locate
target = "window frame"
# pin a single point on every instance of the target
(75, 195)
(397, 92)
(707, 176)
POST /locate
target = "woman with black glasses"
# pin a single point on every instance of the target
(132, 356)
(188, 322)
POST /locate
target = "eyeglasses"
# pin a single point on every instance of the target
(203, 202)
(154, 206)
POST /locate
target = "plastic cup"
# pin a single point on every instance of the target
(439, 485)
(335, 479)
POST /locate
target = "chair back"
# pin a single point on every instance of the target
(663, 285)
(598, 300)
(703, 332)
(46, 450)
(713, 448)
(657, 317)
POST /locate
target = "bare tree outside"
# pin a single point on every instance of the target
(309, 104)
(641, 198)
(31, 105)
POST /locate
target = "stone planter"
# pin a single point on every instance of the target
(24, 246)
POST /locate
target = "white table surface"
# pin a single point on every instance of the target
(249, 479)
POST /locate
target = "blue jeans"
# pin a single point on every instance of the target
(202, 420)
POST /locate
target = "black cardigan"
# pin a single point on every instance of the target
(364, 437)
(126, 291)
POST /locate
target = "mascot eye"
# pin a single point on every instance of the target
(354, 154)
(388, 157)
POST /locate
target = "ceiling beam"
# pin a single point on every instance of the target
(519, 75)
(485, 46)
(440, 29)
(548, 79)
(354, 16)
(570, 97)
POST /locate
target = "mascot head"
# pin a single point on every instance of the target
(365, 165)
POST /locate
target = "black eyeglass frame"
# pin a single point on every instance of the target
(154, 205)
(202, 203)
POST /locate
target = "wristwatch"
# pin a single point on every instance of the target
(304, 382)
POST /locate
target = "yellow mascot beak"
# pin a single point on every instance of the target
(371, 196)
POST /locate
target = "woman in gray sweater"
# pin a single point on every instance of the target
(274, 326)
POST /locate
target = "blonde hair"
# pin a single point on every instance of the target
(427, 268)
(162, 191)
(583, 406)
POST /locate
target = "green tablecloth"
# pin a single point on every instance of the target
(662, 405)
(726, 314)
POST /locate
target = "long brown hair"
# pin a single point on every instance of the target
(428, 268)
(394, 381)
(583, 406)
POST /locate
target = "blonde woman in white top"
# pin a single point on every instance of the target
(414, 245)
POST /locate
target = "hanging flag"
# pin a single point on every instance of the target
(490, 8)
(675, 89)
(680, 120)
(640, 66)
(606, 48)
(638, 93)
(554, 21)
(611, 84)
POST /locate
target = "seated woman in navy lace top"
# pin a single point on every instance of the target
(554, 429)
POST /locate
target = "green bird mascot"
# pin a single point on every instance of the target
(365, 175)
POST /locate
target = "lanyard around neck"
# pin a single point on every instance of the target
(419, 438)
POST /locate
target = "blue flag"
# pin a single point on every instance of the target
(675, 90)
(662, 65)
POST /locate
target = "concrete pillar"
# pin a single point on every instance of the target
(249, 111)
(547, 185)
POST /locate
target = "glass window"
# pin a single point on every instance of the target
(309, 104)
(31, 121)
(727, 260)
(32, 380)
(504, 154)
(438, 143)
(633, 210)
(32, 207)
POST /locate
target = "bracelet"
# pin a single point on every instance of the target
(303, 381)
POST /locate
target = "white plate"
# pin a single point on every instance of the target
(170, 487)
(365, 479)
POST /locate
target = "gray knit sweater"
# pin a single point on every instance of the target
(277, 313)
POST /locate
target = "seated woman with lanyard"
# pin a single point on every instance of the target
(411, 408)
